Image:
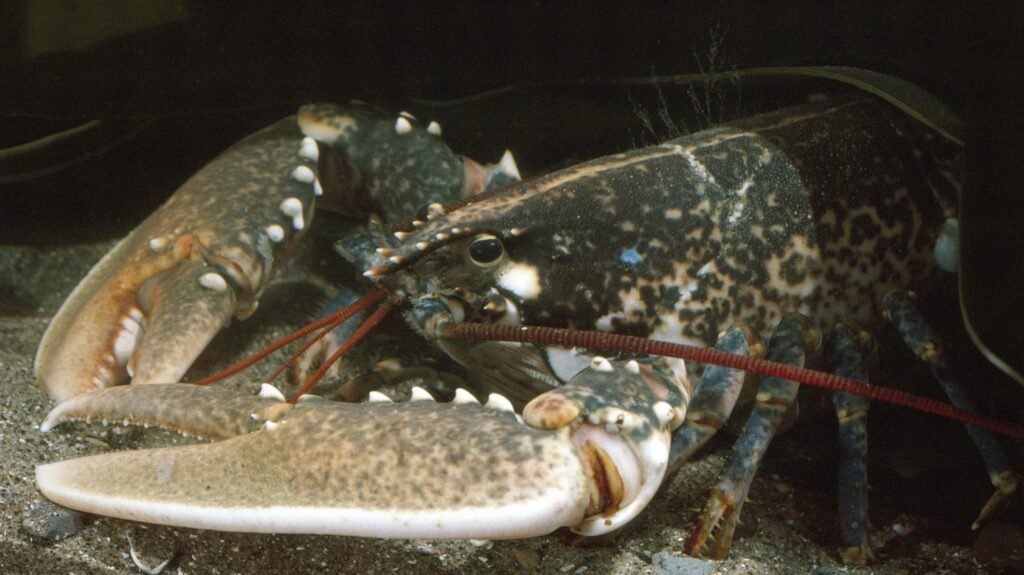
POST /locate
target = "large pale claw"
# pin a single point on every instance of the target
(409, 470)
(151, 305)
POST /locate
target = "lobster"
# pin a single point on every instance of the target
(786, 227)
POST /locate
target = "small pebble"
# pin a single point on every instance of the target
(1000, 545)
(527, 558)
(669, 564)
(51, 522)
(782, 488)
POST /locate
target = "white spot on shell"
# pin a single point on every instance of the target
(292, 208)
(303, 174)
(522, 280)
(270, 425)
(601, 364)
(275, 233)
(434, 211)
(213, 281)
(158, 244)
(309, 149)
(402, 126)
(434, 128)
(633, 367)
(665, 412)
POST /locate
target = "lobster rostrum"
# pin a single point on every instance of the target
(787, 226)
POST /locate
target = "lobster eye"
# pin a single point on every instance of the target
(485, 250)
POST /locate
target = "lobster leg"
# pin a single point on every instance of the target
(712, 402)
(775, 397)
(852, 412)
(925, 343)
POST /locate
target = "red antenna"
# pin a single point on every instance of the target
(631, 344)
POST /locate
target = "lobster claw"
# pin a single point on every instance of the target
(151, 305)
(456, 470)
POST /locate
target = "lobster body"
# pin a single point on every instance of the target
(820, 210)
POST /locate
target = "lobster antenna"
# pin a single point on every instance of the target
(633, 344)
(364, 328)
(330, 320)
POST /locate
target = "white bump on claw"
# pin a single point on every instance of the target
(377, 397)
(124, 343)
(665, 412)
(420, 394)
(407, 115)
(268, 391)
(275, 233)
(303, 174)
(499, 402)
(507, 163)
(318, 190)
(402, 126)
(213, 281)
(633, 367)
(441, 236)
(601, 364)
(158, 244)
(462, 397)
(292, 208)
(309, 149)
(421, 246)
(434, 128)
(402, 235)
(136, 314)
(270, 425)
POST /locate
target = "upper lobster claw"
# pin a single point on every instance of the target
(151, 305)
(458, 470)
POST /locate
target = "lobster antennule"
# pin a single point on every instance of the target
(364, 328)
(331, 320)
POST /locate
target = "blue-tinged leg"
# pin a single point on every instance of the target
(922, 339)
(309, 361)
(852, 411)
(712, 402)
(717, 521)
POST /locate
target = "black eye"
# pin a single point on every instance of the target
(486, 250)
